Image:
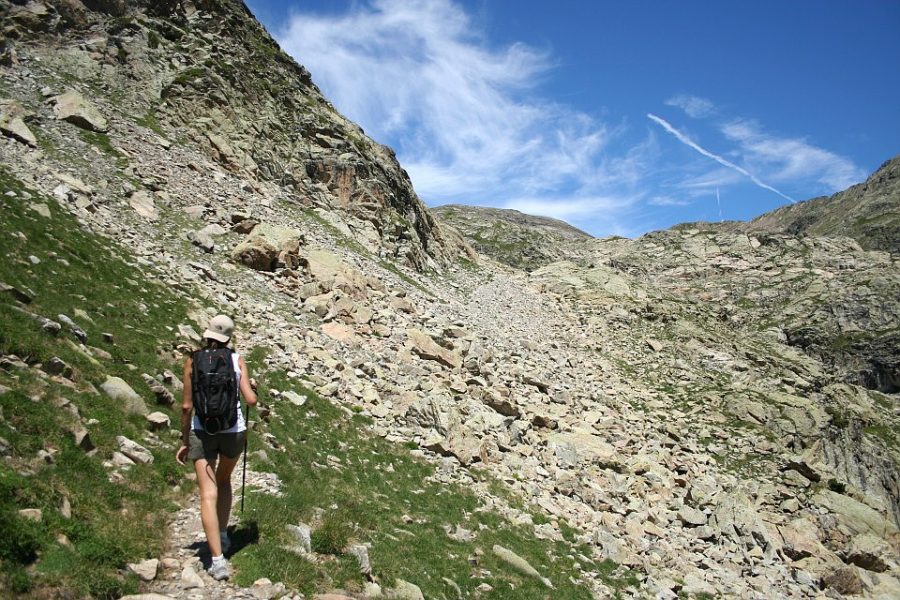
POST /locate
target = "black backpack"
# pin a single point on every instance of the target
(214, 389)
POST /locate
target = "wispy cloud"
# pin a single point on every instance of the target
(694, 106)
(722, 161)
(466, 118)
(791, 159)
(667, 201)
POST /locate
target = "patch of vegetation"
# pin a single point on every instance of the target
(151, 122)
(887, 435)
(836, 486)
(396, 271)
(86, 552)
(153, 40)
(838, 417)
(339, 236)
(101, 142)
(468, 264)
(185, 78)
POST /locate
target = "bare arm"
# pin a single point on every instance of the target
(187, 407)
(246, 389)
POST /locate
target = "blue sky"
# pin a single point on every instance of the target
(618, 117)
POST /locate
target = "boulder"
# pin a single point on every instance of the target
(844, 581)
(736, 518)
(339, 332)
(268, 247)
(202, 240)
(333, 273)
(257, 253)
(142, 203)
(117, 389)
(519, 564)
(145, 570)
(12, 123)
(577, 447)
(856, 515)
(422, 344)
(404, 590)
(133, 450)
(158, 421)
(73, 108)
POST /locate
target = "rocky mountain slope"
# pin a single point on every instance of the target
(511, 237)
(207, 73)
(867, 212)
(646, 419)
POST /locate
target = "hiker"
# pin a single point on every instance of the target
(215, 443)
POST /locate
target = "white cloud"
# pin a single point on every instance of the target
(667, 201)
(573, 209)
(465, 118)
(792, 159)
(722, 161)
(694, 106)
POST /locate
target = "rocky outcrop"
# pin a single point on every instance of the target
(208, 71)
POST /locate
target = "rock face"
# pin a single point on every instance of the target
(511, 237)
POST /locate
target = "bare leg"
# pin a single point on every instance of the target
(206, 480)
(223, 486)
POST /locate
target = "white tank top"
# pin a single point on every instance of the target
(240, 425)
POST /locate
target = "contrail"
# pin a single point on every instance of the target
(688, 141)
(719, 204)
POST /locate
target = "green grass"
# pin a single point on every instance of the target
(339, 236)
(101, 142)
(396, 271)
(369, 495)
(113, 522)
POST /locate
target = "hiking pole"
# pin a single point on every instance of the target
(244, 474)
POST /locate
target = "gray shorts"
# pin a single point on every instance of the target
(210, 446)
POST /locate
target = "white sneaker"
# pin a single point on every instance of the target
(220, 569)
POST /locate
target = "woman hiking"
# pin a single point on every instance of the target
(214, 440)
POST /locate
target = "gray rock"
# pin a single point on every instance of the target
(404, 590)
(294, 398)
(32, 514)
(691, 517)
(158, 421)
(145, 570)
(133, 450)
(190, 579)
(202, 240)
(72, 107)
(519, 564)
(302, 536)
(82, 437)
(117, 389)
(143, 204)
(362, 558)
(73, 327)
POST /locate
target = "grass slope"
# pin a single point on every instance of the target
(112, 520)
